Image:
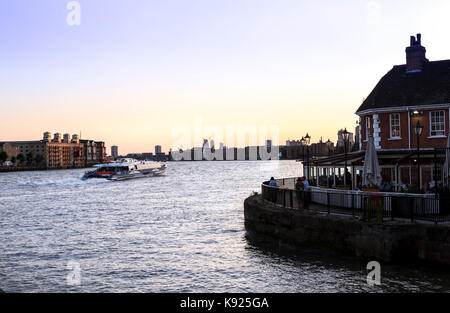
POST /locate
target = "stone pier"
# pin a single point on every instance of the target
(392, 241)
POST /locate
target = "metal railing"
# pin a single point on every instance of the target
(366, 205)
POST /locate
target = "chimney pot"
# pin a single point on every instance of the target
(415, 55)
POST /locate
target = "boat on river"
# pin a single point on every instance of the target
(126, 168)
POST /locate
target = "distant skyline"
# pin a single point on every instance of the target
(132, 71)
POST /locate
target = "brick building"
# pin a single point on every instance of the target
(10, 150)
(295, 150)
(322, 148)
(61, 152)
(418, 91)
(94, 152)
(341, 143)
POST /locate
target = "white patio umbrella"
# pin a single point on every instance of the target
(372, 171)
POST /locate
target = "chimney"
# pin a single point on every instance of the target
(47, 137)
(57, 138)
(66, 138)
(415, 55)
(75, 138)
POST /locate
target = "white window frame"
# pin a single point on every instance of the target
(431, 124)
(367, 127)
(399, 126)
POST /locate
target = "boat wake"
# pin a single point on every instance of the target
(65, 182)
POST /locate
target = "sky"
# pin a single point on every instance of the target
(133, 73)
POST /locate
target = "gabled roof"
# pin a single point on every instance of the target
(399, 88)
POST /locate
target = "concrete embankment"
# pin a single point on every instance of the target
(6, 169)
(392, 241)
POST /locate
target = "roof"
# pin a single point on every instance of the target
(21, 142)
(399, 88)
(388, 156)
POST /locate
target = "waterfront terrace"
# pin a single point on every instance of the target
(389, 227)
(382, 206)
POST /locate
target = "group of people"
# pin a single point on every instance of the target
(302, 183)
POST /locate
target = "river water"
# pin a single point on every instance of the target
(183, 232)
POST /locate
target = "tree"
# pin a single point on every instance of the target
(20, 157)
(13, 160)
(3, 156)
(29, 157)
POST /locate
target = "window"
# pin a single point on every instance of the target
(367, 127)
(395, 125)
(437, 123)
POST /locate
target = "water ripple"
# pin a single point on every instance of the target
(183, 232)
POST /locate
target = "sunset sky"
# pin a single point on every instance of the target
(134, 70)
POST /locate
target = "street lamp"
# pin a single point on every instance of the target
(307, 141)
(418, 130)
(329, 147)
(302, 142)
(345, 136)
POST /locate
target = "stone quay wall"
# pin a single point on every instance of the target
(393, 241)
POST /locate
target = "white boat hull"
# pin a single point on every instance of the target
(127, 169)
(136, 174)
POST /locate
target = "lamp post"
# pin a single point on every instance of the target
(328, 147)
(328, 143)
(307, 141)
(302, 142)
(345, 136)
(418, 130)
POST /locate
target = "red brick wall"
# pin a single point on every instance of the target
(385, 133)
(425, 141)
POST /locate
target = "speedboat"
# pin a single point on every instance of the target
(126, 168)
